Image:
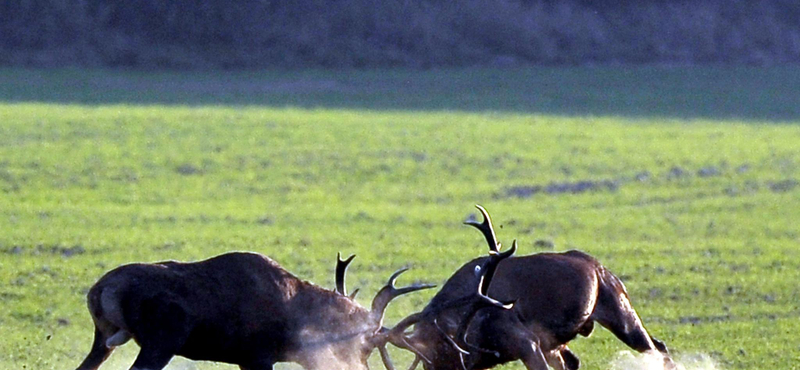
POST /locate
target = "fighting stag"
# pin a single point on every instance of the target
(557, 296)
(453, 314)
(237, 308)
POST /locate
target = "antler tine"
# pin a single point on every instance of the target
(491, 267)
(404, 324)
(341, 270)
(415, 363)
(390, 292)
(354, 293)
(387, 361)
(486, 228)
(448, 339)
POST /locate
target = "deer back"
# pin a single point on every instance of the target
(556, 290)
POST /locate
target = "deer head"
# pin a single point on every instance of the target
(439, 334)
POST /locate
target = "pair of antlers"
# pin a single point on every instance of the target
(486, 229)
(494, 247)
(379, 303)
(474, 301)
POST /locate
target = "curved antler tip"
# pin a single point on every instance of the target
(475, 222)
(397, 273)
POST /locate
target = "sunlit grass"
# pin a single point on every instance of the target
(697, 216)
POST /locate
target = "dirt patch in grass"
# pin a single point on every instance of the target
(555, 188)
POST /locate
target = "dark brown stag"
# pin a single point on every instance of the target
(557, 296)
(238, 308)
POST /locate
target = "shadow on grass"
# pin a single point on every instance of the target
(747, 93)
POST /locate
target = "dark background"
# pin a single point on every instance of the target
(199, 34)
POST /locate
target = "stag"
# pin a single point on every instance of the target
(237, 308)
(557, 296)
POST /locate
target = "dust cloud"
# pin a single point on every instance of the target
(627, 360)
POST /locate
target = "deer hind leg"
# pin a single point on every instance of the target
(157, 350)
(615, 313)
(152, 359)
(626, 325)
(98, 354)
(161, 328)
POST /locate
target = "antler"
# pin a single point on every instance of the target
(390, 292)
(483, 287)
(472, 302)
(485, 274)
(494, 247)
(341, 269)
(486, 228)
(379, 303)
(387, 361)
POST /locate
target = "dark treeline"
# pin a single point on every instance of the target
(415, 33)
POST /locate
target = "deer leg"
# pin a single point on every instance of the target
(523, 344)
(571, 361)
(555, 360)
(509, 339)
(257, 367)
(161, 328)
(151, 359)
(626, 325)
(561, 358)
(260, 364)
(97, 354)
(532, 356)
(157, 351)
(617, 315)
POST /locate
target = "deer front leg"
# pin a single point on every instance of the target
(532, 356)
(561, 358)
(515, 340)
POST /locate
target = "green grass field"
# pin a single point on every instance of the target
(684, 181)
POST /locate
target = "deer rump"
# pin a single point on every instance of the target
(557, 296)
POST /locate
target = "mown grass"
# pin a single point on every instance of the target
(697, 215)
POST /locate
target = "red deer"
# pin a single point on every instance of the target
(557, 296)
(237, 308)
